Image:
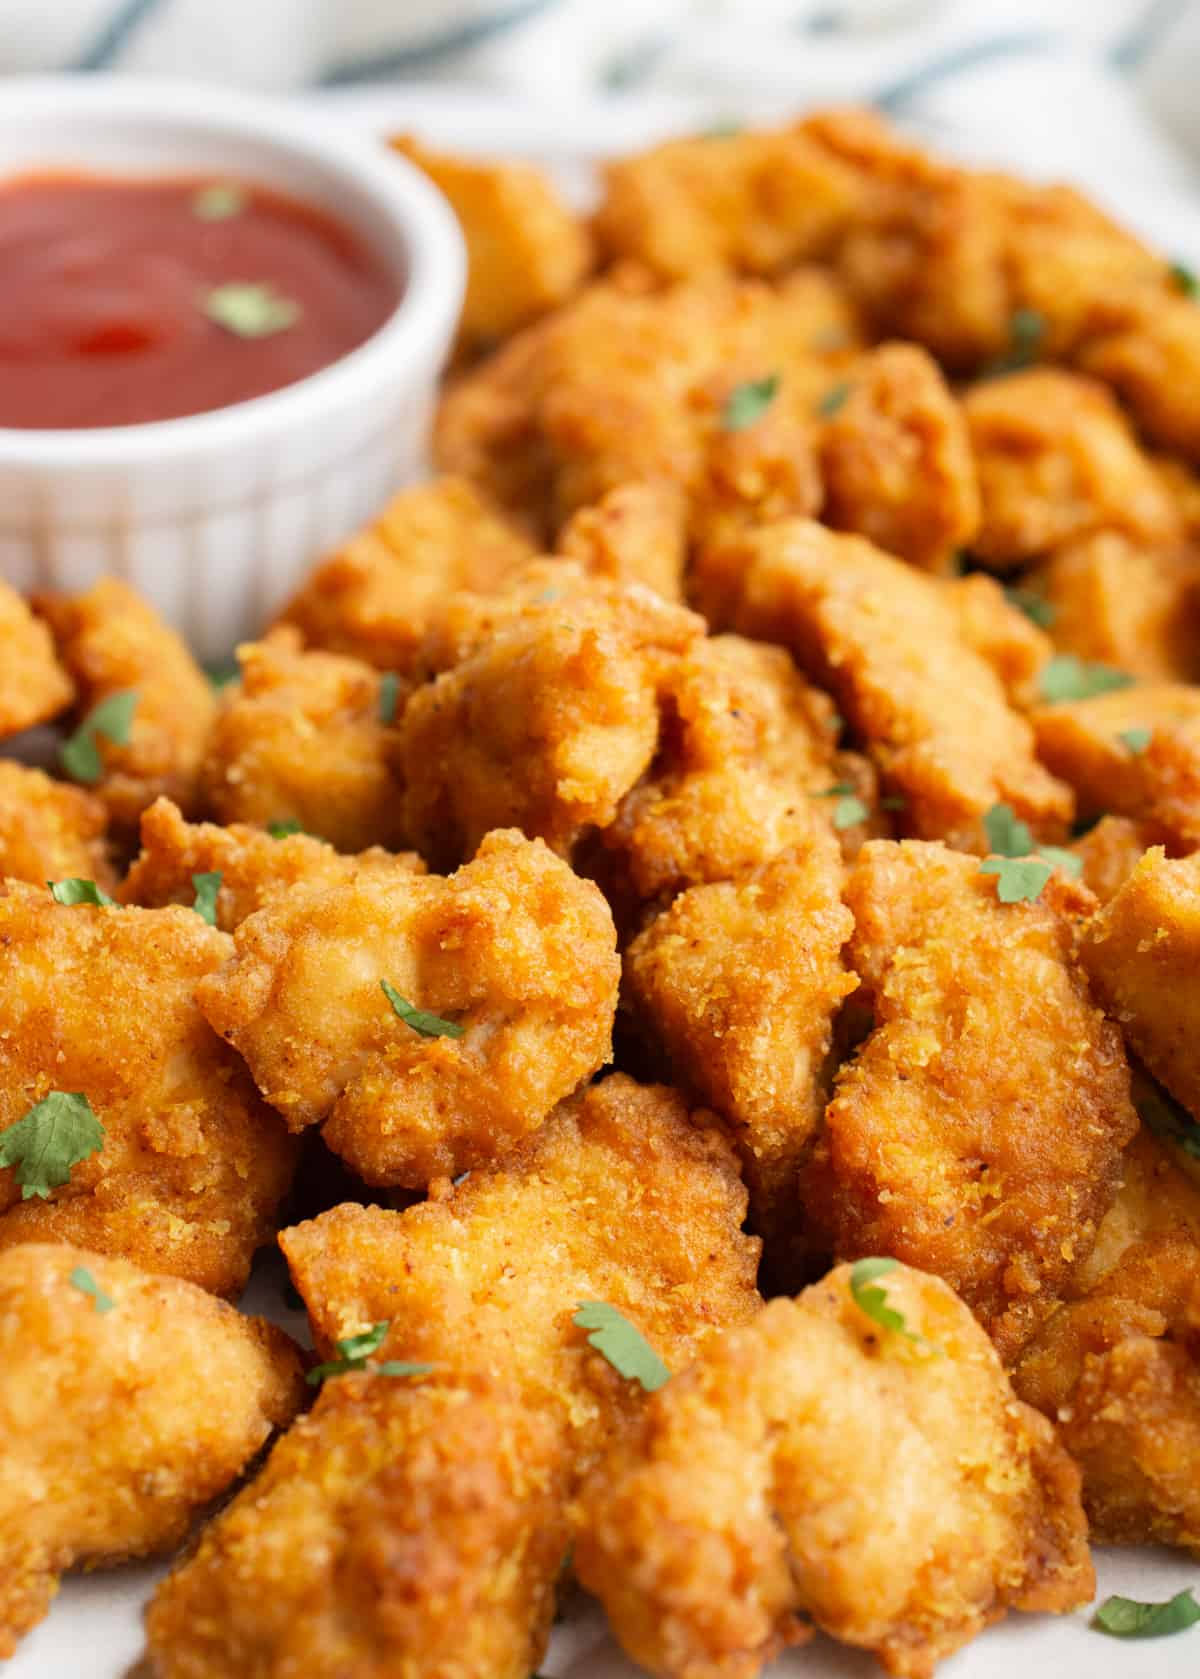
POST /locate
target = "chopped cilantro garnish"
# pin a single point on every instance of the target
(625, 1347)
(43, 1145)
(1183, 279)
(864, 1275)
(1020, 879)
(223, 672)
(1026, 331)
(1010, 838)
(73, 890)
(281, 830)
(833, 400)
(1035, 607)
(1061, 858)
(749, 402)
(1006, 834)
(1160, 1113)
(354, 1352)
(109, 719)
(428, 1025)
(249, 310)
(848, 811)
(893, 801)
(1137, 740)
(1125, 1617)
(205, 903)
(83, 1280)
(389, 693)
(219, 202)
(1066, 677)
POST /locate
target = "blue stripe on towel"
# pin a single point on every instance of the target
(110, 40)
(901, 92)
(1139, 40)
(422, 54)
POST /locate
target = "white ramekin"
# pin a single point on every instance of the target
(215, 517)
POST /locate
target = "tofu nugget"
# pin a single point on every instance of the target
(888, 642)
(338, 1001)
(33, 685)
(127, 1403)
(190, 1166)
(50, 831)
(113, 643)
(881, 1480)
(978, 1131)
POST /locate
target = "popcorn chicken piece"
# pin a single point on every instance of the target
(120, 1420)
(887, 641)
(896, 460)
(301, 739)
(526, 250)
(112, 642)
(50, 831)
(1112, 850)
(1057, 462)
(637, 533)
(100, 1001)
(1000, 632)
(255, 868)
(517, 950)
(33, 685)
(978, 1130)
(1157, 1197)
(372, 598)
(1150, 355)
(816, 1464)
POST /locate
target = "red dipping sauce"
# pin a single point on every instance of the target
(125, 301)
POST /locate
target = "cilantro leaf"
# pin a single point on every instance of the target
(74, 890)
(833, 400)
(221, 673)
(1035, 607)
(1006, 834)
(1067, 677)
(625, 1347)
(44, 1144)
(354, 1352)
(864, 1275)
(110, 719)
(1026, 331)
(1183, 279)
(205, 904)
(428, 1025)
(1160, 1113)
(83, 1280)
(1125, 1617)
(893, 801)
(219, 202)
(401, 1367)
(1135, 740)
(834, 792)
(848, 811)
(749, 402)
(1020, 879)
(389, 693)
(250, 310)
(1061, 859)
(281, 830)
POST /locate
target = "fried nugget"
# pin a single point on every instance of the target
(254, 867)
(100, 1001)
(112, 642)
(514, 948)
(1148, 350)
(814, 1464)
(50, 831)
(1002, 633)
(637, 533)
(127, 1403)
(33, 685)
(888, 642)
(978, 1131)
(1157, 1196)
(1111, 850)
(302, 738)
(896, 460)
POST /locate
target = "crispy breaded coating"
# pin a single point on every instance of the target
(100, 1001)
(111, 641)
(816, 1464)
(1000, 632)
(33, 685)
(49, 830)
(1057, 462)
(419, 1531)
(1150, 355)
(637, 533)
(978, 1130)
(755, 202)
(120, 1420)
(301, 738)
(372, 598)
(736, 986)
(526, 250)
(896, 460)
(513, 949)
(255, 868)
(887, 642)
(1157, 1196)
(1111, 850)
(1141, 953)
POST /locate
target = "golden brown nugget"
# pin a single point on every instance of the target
(302, 738)
(402, 1528)
(526, 250)
(192, 1165)
(514, 956)
(1057, 462)
(1150, 355)
(896, 459)
(887, 641)
(33, 685)
(756, 202)
(1157, 1197)
(637, 533)
(112, 642)
(254, 867)
(978, 1131)
(736, 986)
(765, 1484)
(1111, 850)
(1141, 953)
(49, 830)
(373, 597)
(1002, 633)
(127, 1402)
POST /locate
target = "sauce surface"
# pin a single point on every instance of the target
(125, 301)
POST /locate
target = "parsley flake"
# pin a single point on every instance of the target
(833, 400)
(1136, 740)
(389, 694)
(282, 830)
(749, 402)
(1183, 279)
(354, 1352)
(222, 673)
(249, 310)
(83, 1280)
(1036, 608)
(428, 1025)
(219, 202)
(1020, 879)
(864, 1275)
(44, 1144)
(849, 811)
(1009, 838)
(74, 890)
(625, 1347)
(1067, 677)
(205, 903)
(1061, 858)
(109, 719)
(1026, 331)
(1125, 1617)
(1006, 834)
(893, 801)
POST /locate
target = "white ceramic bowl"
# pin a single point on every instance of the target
(216, 516)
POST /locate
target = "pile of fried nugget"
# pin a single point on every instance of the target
(733, 836)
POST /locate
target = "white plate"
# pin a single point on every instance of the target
(94, 1629)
